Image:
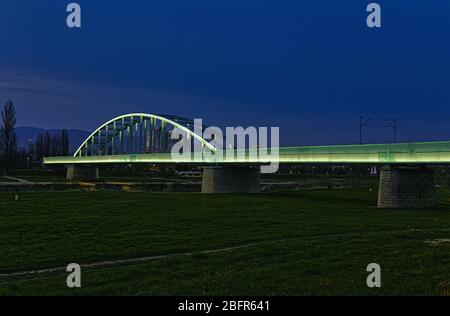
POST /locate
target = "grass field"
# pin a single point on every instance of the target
(304, 243)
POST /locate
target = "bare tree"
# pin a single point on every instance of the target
(8, 140)
(47, 145)
(39, 147)
(55, 146)
(64, 142)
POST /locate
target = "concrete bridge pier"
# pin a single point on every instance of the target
(231, 179)
(406, 187)
(81, 172)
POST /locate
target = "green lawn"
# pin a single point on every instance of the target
(309, 242)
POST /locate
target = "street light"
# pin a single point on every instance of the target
(363, 121)
(392, 123)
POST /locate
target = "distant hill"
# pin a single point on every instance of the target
(27, 134)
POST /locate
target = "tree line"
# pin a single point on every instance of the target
(45, 144)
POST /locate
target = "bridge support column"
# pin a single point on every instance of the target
(77, 172)
(406, 187)
(231, 179)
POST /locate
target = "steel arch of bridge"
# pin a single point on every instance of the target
(126, 124)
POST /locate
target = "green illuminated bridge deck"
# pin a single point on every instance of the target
(407, 153)
(149, 138)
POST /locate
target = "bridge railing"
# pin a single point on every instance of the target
(408, 153)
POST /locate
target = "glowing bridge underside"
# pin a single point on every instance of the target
(145, 138)
(412, 153)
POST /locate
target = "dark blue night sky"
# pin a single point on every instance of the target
(310, 67)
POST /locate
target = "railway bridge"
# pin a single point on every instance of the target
(141, 138)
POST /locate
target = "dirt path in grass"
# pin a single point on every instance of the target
(144, 259)
(16, 179)
(211, 251)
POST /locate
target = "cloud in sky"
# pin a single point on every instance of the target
(292, 64)
(60, 103)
